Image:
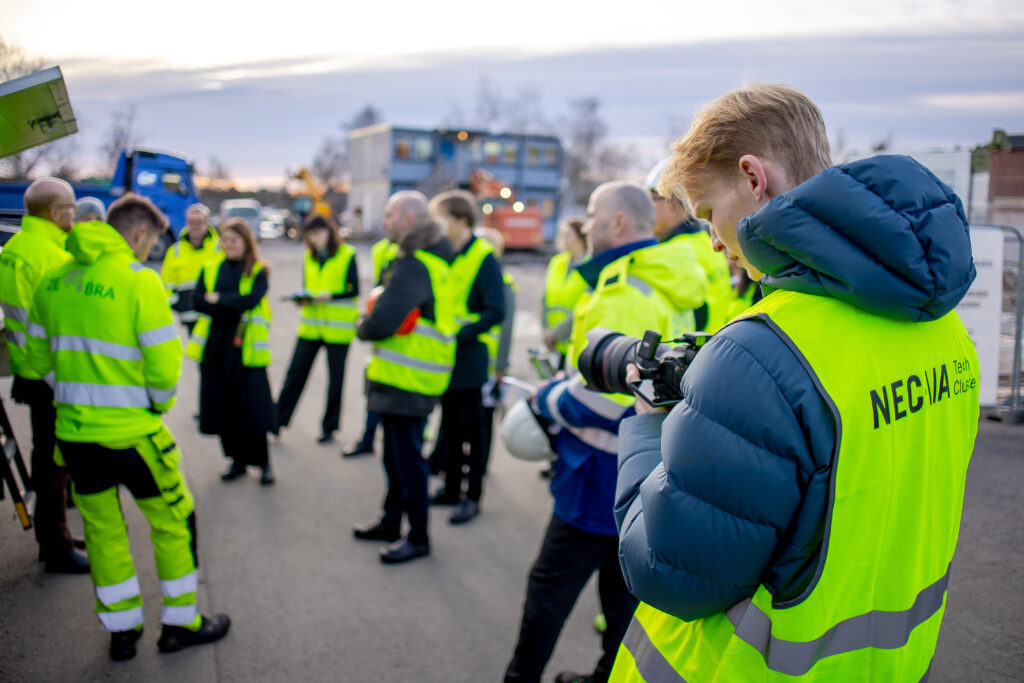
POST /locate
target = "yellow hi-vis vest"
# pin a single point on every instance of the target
(182, 265)
(563, 287)
(255, 321)
(105, 331)
(464, 270)
(492, 337)
(383, 252)
(335, 321)
(905, 400)
(421, 361)
(27, 257)
(716, 268)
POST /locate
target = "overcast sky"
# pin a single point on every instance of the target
(259, 89)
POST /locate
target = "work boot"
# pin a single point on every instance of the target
(465, 511)
(234, 472)
(357, 450)
(122, 644)
(174, 638)
(572, 677)
(71, 562)
(267, 478)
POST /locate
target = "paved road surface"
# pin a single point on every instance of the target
(309, 603)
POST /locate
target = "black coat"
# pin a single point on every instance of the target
(231, 394)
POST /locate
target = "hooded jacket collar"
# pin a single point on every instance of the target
(45, 228)
(87, 242)
(882, 234)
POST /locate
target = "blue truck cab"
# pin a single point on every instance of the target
(166, 179)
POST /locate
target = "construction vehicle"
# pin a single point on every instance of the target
(312, 204)
(522, 226)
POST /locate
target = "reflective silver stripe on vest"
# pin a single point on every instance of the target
(259, 320)
(409, 362)
(187, 285)
(15, 313)
(161, 395)
(137, 267)
(96, 346)
(557, 309)
(100, 395)
(595, 401)
(158, 336)
(651, 664)
(111, 595)
(16, 337)
(122, 620)
(189, 316)
(178, 616)
(878, 629)
(35, 330)
(175, 588)
(328, 323)
(432, 333)
(261, 346)
(636, 283)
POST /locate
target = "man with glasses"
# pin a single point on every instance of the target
(36, 249)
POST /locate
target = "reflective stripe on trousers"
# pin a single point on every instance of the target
(122, 620)
(111, 595)
(878, 629)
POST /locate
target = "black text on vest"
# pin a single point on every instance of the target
(916, 392)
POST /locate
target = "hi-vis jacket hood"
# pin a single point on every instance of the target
(87, 242)
(883, 234)
(660, 266)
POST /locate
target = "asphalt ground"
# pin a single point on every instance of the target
(310, 603)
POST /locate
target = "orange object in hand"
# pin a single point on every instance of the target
(407, 325)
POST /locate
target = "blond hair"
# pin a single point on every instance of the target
(765, 119)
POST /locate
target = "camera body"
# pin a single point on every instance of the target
(604, 361)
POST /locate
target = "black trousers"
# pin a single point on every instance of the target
(406, 472)
(462, 423)
(245, 447)
(369, 430)
(567, 558)
(49, 479)
(298, 372)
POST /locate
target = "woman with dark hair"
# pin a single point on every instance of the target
(231, 343)
(330, 286)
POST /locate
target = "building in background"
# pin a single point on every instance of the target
(385, 159)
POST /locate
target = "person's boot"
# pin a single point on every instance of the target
(361, 448)
(174, 638)
(70, 562)
(267, 477)
(234, 472)
(122, 644)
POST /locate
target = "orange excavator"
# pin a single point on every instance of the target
(319, 206)
(522, 226)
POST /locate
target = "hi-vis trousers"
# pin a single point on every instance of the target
(149, 467)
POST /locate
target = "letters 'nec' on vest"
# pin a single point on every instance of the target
(335, 321)
(256, 321)
(422, 360)
(37, 248)
(906, 416)
(563, 287)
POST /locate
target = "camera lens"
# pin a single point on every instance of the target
(603, 362)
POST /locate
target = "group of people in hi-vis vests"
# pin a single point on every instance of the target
(772, 525)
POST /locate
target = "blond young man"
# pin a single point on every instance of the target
(796, 514)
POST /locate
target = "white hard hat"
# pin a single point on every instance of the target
(523, 435)
(654, 179)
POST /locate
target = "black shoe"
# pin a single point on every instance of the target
(174, 638)
(325, 438)
(70, 563)
(572, 677)
(78, 543)
(267, 478)
(122, 644)
(403, 551)
(375, 532)
(547, 472)
(235, 472)
(442, 497)
(465, 511)
(358, 449)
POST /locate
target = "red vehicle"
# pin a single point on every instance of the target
(522, 226)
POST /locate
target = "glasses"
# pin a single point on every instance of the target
(65, 206)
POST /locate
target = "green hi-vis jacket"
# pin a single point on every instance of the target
(874, 608)
(256, 323)
(421, 361)
(716, 270)
(182, 265)
(335, 321)
(36, 249)
(563, 287)
(102, 325)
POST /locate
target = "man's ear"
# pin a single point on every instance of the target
(756, 177)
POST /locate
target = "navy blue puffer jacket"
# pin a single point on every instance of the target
(731, 489)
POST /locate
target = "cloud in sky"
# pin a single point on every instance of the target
(261, 116)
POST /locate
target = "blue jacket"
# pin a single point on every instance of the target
(730, 490)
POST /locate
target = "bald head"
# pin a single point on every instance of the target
(52, 199)
(618, 213)
(404, 211)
